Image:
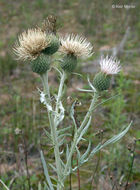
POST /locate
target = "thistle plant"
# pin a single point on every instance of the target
(38, 46)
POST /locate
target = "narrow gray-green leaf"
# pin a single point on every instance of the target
(4, 185)
(84, 130)
(63, 130)
(47, 134)
(54, 168)
(86, 152)
(46, 171)
(39, 186)
(112, 140)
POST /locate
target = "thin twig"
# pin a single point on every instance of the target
(132, 162)
(71, 163)
(78, 125)
(26, 163)
(70, 181)
(78, 176)
(114, 185)
(99, 158)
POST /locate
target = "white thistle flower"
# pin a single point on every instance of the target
(76, 45)
(110, 66)
(30, 44)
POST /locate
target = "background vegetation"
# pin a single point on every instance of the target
(106, 27)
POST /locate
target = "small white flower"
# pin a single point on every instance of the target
(76, 45)
(110, 66)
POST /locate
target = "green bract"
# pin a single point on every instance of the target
(53, 46)
(101, 81)
(69, 63)
(41, 64)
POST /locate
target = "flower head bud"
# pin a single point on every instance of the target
(101, 81)
(109, 67)
(74, 46)
(53, 45)
(69, 63)
(41, 64)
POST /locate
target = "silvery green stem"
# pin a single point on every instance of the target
(77, 133)
(60, 92)
(56, 152)
(53, 127)
(91, 108)
(4, 185)
(44, 78)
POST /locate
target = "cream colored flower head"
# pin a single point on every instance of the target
(76, 45)
(30, 44)
(109, 65)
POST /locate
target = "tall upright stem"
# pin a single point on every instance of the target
(44, 78)
(52, 121)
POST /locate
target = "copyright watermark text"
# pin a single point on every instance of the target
(125, 6)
